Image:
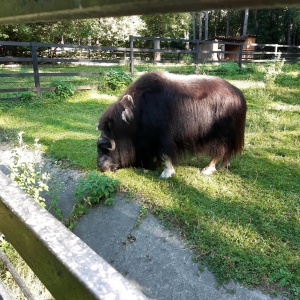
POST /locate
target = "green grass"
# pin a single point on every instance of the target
(31, 281)
(244, 224)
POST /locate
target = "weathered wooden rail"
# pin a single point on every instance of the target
(64, 263)
(16, 11)
(197, 52)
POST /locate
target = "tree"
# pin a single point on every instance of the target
(116, 31)
(206, 26)
(245, 21)
(200, 25)
(106, 31)
(167, 25)
(227, 23)
(194, 25)
(278, 25)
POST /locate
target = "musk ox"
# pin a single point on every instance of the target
(161, 116)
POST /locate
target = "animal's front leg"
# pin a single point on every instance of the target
(211, 168)
(169, 170)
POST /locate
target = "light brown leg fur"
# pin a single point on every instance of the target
(225, 163)
(211, 168)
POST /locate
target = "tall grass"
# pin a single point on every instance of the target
(36, 287)
(244, 223)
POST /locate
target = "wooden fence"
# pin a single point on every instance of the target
(65, 264)
(169, 50)
(41, 53)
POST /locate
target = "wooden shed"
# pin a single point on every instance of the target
(245, 39)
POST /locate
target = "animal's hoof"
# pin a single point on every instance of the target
(225, 166)
(167, 173)
(208, 170)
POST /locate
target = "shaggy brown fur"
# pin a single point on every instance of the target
(164, 115)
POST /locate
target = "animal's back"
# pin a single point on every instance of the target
(189, 113)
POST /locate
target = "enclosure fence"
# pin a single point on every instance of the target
(141, 50)
(64, 263)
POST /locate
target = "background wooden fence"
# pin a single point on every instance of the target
(141, 50)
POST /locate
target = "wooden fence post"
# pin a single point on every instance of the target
(131, 55)
(276, 52)
(157, 55)
(196, 56)
(240, 55)
(35, 69)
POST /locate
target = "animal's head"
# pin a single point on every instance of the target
(114, 145)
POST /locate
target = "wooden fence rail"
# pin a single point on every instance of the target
(172, 51)
(64, 263)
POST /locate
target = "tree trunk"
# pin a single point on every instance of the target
(227, 23)
(206, 26)
(256, 20)
(289, 26)
(216, 22)
(194, 25)
(246, 21)
(187, 37)
(200, 26)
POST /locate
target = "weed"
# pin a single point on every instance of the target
(78, 210)
(93, 188)
(229, 68)
(28, 97)
(26, 171)
(116, 81)
(273, 70)
(201, 69)
(7, 135)
(63, 89)
(201, 267)
(90, 190)
(142, 214)
(55, 188)
(251, 68)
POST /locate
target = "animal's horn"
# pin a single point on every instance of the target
(106, 143)
(113, 145)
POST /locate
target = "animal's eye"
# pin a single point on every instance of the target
(110, 124)
(108, 128)
(105, 129)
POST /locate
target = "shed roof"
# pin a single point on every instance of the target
(233, 39)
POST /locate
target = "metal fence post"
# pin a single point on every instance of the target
(131, 55)
(35, 69)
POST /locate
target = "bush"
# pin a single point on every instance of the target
(94, 188)
(63, 89)
(28, 97)
(273, 70)
(27, 172)
(229, 68)
(116, 80)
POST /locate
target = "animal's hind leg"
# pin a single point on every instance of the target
(211, 168)
(225, 163)
(169, 170)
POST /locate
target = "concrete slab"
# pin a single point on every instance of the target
(153, 258)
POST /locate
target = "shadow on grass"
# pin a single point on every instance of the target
(248, 236)
(77, 153)
(286, 80)
(288, 97)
